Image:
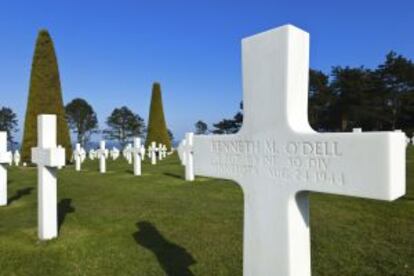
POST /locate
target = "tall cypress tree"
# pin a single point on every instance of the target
(157, 127)
(45, 96)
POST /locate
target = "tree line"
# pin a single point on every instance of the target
(121, 125)
(352, 97)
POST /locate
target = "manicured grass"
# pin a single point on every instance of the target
(157, 224)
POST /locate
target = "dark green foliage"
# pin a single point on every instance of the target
(157, 127)
(201, 127)
(397, 86)
(123, 125)
(45, 97)
(82, 119)
(8, 123)
(229, 126)
(171, 135)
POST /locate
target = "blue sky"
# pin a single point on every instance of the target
(110, 52)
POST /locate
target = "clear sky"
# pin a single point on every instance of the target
(110, 52)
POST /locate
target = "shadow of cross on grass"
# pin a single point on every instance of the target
(174, 259)
(20, 193)
(64, 208)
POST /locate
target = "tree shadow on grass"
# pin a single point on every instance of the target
(174, 175)
(20, 193)
(174, 259)
(64, 208)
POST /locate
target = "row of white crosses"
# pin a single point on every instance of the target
(153, 151)
(131, 153)
(277, 158)
(15, 157)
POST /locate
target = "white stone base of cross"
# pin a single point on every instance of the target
(47, 157)
(278, 159)
(5, 158)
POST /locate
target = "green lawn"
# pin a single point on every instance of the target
(157, 224)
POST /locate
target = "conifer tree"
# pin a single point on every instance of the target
(157, 127)
(45, 97)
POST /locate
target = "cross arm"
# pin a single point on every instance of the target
(5, 157)
(369, 164)
(51, 157)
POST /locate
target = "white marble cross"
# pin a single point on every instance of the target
(164, 151)
(187, 153)
(5, 158)
(277, 158)
(114, 153)
(180, 150)
(142, 152)
(137, 156)
(153, 151)
(16, 158)
(127, 153)
(48, 157)
(102, 153)
(160, 156)
(83, 155)
(77, 156)
(92, 154)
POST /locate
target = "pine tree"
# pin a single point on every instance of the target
(45, 96)
(157, 127)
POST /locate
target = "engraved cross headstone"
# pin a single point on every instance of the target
(278, 159)
(5, 158)
(180, 150)
(153, 151)
(114, 153)
(127, 153)
(137, 156)
(142, 152)
(48, 158)
(187, 153)
(102, 153)
(160, 156)
(92, 154)
(77, 156)
(164, 151)
(16, 158)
